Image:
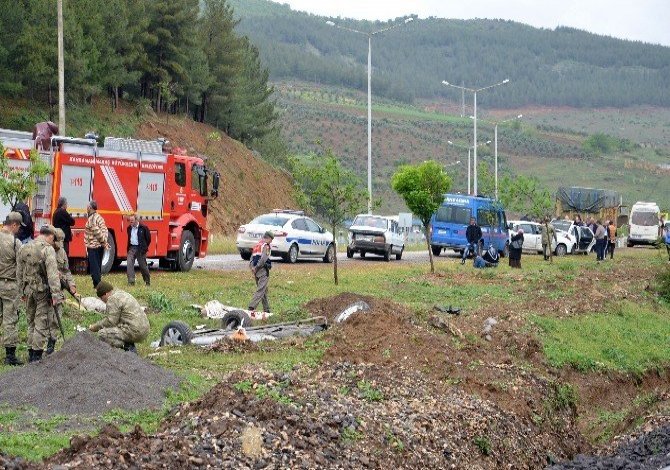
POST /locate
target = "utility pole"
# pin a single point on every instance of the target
(61, 72)
(462, 100)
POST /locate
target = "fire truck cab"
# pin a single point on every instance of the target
(167, 190)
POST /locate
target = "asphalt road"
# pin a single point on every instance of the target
(234, 262)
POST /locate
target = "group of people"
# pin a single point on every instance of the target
(605, 235)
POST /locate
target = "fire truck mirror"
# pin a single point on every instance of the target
(216, 177)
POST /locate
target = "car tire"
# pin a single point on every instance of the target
(292, 255)
(505, 252)
(350, 253)
(176, 333)
(186, 253)
(398, 256)
(436, 250)
(109, 258)
(561, 250)
(245, 255)
(235, 319)
(330, 254)
(362, 254)
(387, 254)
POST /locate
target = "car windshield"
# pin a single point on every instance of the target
(453, 215)
(646, 219)
(367, 221)
(270, 219)
(563, 225)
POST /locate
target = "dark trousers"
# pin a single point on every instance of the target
(610, 249)
(135, 254)
(95, 263)
(600, 249)
(667, 247)
(66, 247)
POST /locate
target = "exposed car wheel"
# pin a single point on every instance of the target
(330, 254)
(245, 255)
(235, 319)
(292, 256)
(436, 250)
(176, 333)
(186, 253)
(629, 245)
(387, 254)
(109, 257)
(561, 250)
(362, 254)
(398, 256)
(350, 253)
(505, 252)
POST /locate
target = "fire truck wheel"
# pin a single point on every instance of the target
(186, 254)
(109, 257)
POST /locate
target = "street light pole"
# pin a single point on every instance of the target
(495, 151)
(469, 171)
(475, 143)
(369, 35)
(61, 71)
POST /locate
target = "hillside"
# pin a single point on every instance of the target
(564, 66)
(249, 185)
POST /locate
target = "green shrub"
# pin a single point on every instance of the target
(663, 284)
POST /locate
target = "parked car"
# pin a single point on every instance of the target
(532, 238)
(449, 223)
(582, 237)
(375, 234)
(296, 236)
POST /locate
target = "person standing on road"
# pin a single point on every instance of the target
(95, 239)
(611, 238)
(548, 235)
(260, 265)
(472, 234)
(139, 239)
(125, 323)
(27, 230)
(64, 221)
(39, 285)
(601, 240)
(9, 292)
(515, 249)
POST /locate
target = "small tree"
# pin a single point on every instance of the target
(20, 184)
(422, 187)
(333, 192)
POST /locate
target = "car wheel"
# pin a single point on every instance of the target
(398, 256)
(561, 250)
(246, 255)
(176, 333)
(387, 254)
(436, 250)
(505, 252)
(292, 256)
(235, 319)
(362, 254)
(330, 254)
(350, 253)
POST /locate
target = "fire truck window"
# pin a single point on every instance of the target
(199, 180)
(180, 174)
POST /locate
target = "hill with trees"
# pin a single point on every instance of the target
(563, 66)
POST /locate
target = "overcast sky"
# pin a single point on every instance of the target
(643, 20)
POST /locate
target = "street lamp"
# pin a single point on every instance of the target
(469, 165)
(474, 91)
(369, 35)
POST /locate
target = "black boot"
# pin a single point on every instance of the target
(130, 347)
(37, 355)
(31, 353)
(10, 357)
(51, 346)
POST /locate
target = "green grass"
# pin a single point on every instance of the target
(634, 339)
(222, 245)
(33, 446)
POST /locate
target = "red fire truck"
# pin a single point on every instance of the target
(167, 190)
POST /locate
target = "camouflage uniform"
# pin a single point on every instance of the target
(125, 322)
(66, 281)
(9, 294)
(40, 284)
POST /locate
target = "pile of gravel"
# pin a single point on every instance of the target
(87, 377)
(651, 451)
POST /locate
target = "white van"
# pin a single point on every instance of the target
(644, 219)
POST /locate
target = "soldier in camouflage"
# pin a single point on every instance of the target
(66, 282)
(125, 324)
(9, 293)
(39, 285)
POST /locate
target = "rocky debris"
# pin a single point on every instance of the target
(228, 345)
(337, 416)
(87, 377)
(331, 307)
(12, 463)
(650, 451)
(489, 323)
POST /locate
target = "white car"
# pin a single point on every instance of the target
(375, 234)
(565, 243)
(296, 236)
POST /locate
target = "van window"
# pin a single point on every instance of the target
(453, 215)
(486, 218)
(646, 219)
(180, 174)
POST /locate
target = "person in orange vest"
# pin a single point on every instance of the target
(260, 265)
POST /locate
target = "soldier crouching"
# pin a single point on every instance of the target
(125, 323)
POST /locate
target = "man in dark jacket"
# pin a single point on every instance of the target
(64, 221)
(27, 230)
(139, 239)
(472, 234)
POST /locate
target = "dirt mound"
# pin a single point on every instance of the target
(330, 307)
(650, 451)
(87, 377)
(339, 416)
(249, 185)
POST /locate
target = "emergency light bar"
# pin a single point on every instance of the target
(288, 211)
